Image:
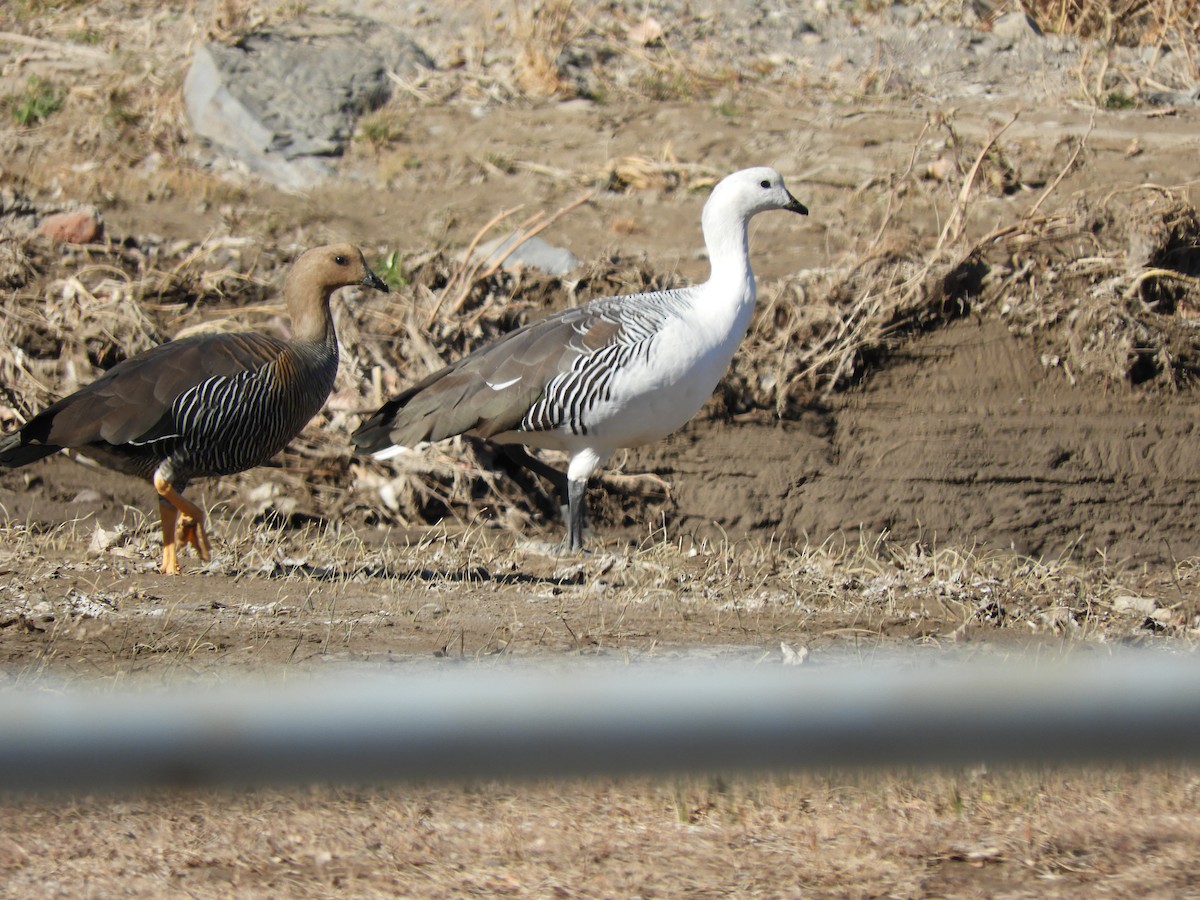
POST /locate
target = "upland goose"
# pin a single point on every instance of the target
(616, 372)
(211, 404)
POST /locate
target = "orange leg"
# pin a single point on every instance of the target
(168, 514)
(189, 528)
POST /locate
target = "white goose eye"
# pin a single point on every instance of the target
(764, 183)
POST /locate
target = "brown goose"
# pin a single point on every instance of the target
(618, 372)
(212, 404)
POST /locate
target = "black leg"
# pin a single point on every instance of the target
(576, 513)
(572, 493)
(522, 457)
(518, 455)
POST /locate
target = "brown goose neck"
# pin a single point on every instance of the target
(312, 321)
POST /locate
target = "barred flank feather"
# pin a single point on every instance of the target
(571, 395)
(229, 424)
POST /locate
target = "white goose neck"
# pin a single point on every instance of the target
(727, 240)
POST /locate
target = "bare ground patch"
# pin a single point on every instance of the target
(963, 417)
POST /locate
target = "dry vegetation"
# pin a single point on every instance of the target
(976, 833)
(1126, 21)
(1106, 282)
(1052, 832)
(1103, 278)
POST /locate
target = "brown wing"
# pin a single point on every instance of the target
(132, 401)
(489, 391)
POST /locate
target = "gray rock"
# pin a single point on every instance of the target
(534, 253)
(1015, 26)
(805, 31)
(903, 14)
(1173, 98)
(1142, 606)
(582, 68)
(285, 103)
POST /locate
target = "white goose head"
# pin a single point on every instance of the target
(751, 191)
(733, 201)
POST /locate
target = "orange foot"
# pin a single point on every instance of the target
(182, 522)
(170, 563)
(192, 531)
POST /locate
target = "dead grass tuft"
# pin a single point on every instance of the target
(541, 31)
(640, 173)
(1132, 22)
(231, 21)
(1111, 285)
(57, 333)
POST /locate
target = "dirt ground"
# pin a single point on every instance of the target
(982, 472)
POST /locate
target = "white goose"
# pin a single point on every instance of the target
(616, 372)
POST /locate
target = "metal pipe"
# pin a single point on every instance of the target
(496, 721)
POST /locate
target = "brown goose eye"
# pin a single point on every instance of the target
(340, 260)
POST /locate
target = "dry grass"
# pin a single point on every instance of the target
(115, 302)
(1055, 833)
(1108, 281)
(1049, 831)
(667, 173)
(106, 93)
(872, 593)
(541, 29)
(624, 55)
(1136, 22)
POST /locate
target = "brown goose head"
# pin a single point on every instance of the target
(313, 278)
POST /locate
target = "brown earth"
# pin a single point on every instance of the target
(963, 436)
(974, 477)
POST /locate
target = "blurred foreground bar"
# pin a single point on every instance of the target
(586, 718)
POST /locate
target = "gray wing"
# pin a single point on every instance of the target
(131, 403)
(532, 379)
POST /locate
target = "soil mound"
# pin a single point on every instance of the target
(965, 437)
